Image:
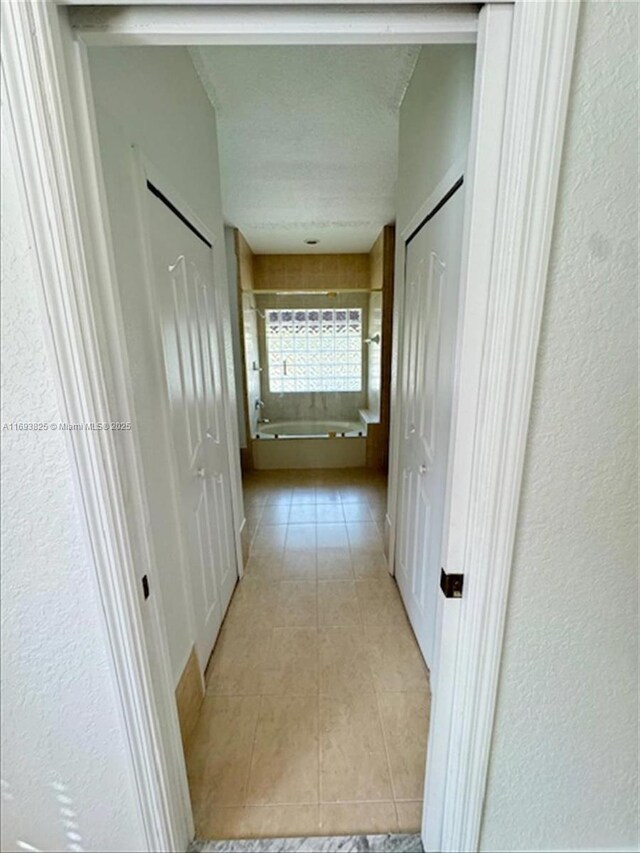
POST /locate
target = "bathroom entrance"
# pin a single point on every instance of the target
(316, 662)
(317, 696)
(280, 391)
(305, 710)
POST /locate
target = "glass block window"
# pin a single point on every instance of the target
(315, 349)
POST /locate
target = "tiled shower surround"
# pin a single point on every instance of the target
(316, 712)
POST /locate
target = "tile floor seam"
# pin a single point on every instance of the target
(353, 572)
(359, 802)
(253, 747)
(278, 805)
(360, 613)
(386, 748)
(395, 808)
(265, 694)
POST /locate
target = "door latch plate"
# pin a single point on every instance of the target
(451, 585)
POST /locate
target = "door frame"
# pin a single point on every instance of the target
(523, 71)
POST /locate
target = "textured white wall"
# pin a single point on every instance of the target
(435, 119)
(156, 97)
(66, 781)
(152, 97)
(564, 760)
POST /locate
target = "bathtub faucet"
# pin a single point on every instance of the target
(258, 406)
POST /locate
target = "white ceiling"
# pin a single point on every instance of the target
(308, 141)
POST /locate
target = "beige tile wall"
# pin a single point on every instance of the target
(311, 272)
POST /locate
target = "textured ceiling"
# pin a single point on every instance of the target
(308, 141)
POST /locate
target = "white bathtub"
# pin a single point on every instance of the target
(310, 444)
(311, 429)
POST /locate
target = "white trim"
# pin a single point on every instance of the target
(508, 247)
(506, 262)
(267, 3)
(304, 24)
(481, 187)
(516, 137)
(62, 195)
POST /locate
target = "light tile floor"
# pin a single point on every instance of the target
(317, 703)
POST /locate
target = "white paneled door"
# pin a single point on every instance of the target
(432, 273)
(186, 302)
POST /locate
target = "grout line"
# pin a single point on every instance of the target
(330, 694)
(395, 808)
(384, 737)
(253, 746)
(386, 750)
(312, 803)
(288, 693)
(358, 802)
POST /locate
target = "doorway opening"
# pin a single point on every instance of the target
(302, 693)
(300, 664)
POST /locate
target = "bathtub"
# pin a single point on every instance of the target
(311, 429)
(310, 444)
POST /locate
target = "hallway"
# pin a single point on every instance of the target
(316, 712)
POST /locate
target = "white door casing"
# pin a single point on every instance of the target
(432, 274)
(185, 299)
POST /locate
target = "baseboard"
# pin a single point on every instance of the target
(189, 695)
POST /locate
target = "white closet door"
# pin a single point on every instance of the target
(432, 273)
(186, 302)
